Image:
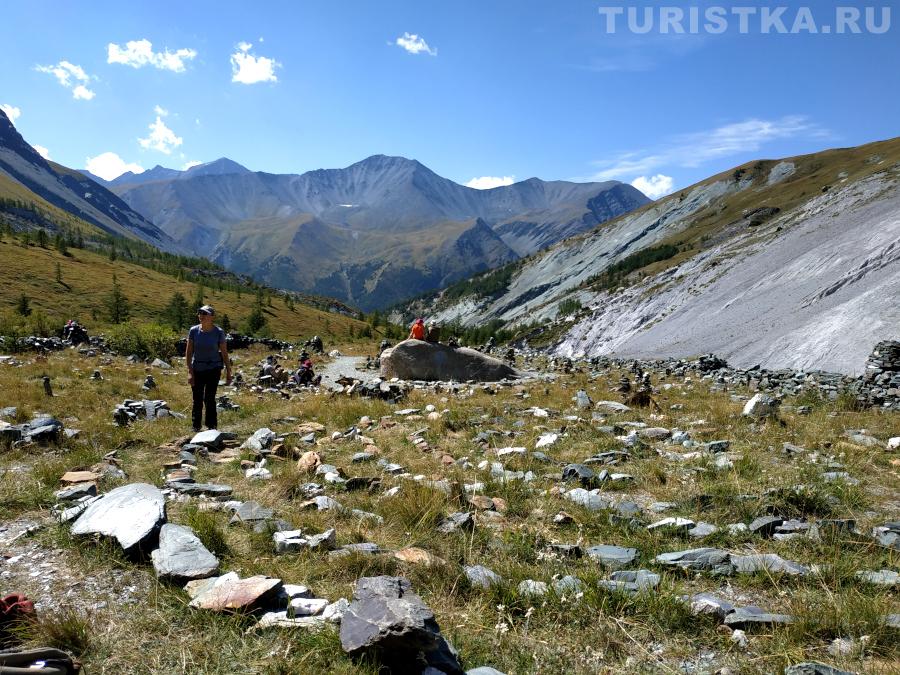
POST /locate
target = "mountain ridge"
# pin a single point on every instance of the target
(384, 221)
(74, 192)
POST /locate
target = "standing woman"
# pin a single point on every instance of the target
(205, 355)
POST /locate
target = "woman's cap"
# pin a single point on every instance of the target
(207, 309)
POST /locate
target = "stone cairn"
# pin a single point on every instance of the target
(882, 376)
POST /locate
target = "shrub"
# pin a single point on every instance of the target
(615, 274)
(568, 306)
(148, 340)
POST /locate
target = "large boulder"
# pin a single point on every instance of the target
(389, 622)
(418, 360)
(132, 514)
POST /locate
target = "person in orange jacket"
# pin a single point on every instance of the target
(417, 332)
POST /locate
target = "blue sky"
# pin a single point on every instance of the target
(495, 90)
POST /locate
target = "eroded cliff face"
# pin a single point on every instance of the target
(815, 290)
(788, 264)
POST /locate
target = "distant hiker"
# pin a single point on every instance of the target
(417, 332)
(433, 334)
(205, 355)
(317, 346)
(453, 343)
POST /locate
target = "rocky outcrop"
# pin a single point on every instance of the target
(418, 360)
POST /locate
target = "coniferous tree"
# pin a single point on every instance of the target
(177, 313)
(257, 319)
(59, 243)
(23, 305)
(58, 275)
(117, 308)
(198, 299)
(42, 238)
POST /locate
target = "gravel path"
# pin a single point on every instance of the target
(350, 366)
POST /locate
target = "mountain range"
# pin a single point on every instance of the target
(71, 191)
(791, 263)
(374, 233)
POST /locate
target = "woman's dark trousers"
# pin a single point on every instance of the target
(204, 389)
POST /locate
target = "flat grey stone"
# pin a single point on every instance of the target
(251, 512)
(674, 523)
(589, 500)
(707, 603)
(211, 438)
(364, 548)
(744, 617)
(813, 668)
(612, 406)
(567, 584)
(530, 587)
(766, 562)
(457, 521)
(76, 491)
(181, 555)
(613, 556)
(716, 446)
(698, 559)
(765, 526)
(196, 489)
(701, 530)
(132, 514)
(630, 581)
(479, 575)
(880, 578)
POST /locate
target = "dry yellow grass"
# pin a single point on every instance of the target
(87, 279)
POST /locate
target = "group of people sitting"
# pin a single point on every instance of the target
(303, 375)
(429, 333)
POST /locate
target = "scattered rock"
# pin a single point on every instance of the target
(181, 555)
(761, 406)
(388, 622)
(231, 593)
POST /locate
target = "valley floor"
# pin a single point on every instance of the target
(118, 618)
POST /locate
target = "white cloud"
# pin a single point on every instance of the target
(249, 69)
(655, 186)
(42, 151)
(139, 53)
(488, 182)
(82, 93)
(12, 112)
(71, 77)
(191, 164)
(695, 149)
(109, 165)
(159, 110)
(161, 138)
(414, 44)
